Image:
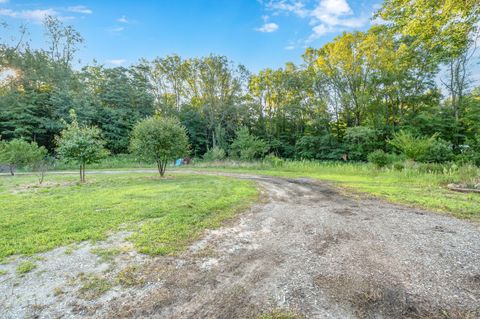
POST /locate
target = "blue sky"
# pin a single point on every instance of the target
(256, 33)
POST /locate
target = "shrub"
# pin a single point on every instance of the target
(214, 154)
(438, 152)
(159, 140)
(247, 146)
(413, 147)
(379, 158)
(360, 141)
(273, 160)
(80, 144)
(471, 152)
(20, 153)
(398, 166)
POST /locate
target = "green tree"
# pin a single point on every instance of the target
(247, 146)
(160, 140)
(19, 153)
(80, 144)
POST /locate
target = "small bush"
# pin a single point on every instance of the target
(438, 152)
(413, 147)
(398, 166)
(273, 161)
(379, 158)
(248, 147)
(214, 154)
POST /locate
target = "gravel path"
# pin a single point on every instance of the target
(306, 247)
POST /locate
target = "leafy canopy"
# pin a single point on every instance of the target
(80, 144)
(159, 139)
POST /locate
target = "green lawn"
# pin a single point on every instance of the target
(410, 186)
(164, 214)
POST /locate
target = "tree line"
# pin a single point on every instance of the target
(407, 78)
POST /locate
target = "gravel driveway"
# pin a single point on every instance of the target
(306, 247)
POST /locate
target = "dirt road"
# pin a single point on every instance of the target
(310, 249)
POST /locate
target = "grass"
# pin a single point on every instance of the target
(417, 186)
(26, 267)
(94, 286)
(165, 215)
(106, 255)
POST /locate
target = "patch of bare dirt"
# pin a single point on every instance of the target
(306, 248)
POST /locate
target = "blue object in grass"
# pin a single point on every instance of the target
(178, 162)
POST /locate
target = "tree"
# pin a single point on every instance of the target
(247, 146)
(80, 144)
(160, 140)
(19, 153)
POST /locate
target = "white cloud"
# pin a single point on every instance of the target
(295, 7)
(3, 1)
(80, 9)
(268, 27)
(336, 13)
(290, 47)
(36, 16)
(326, 16)
(123, 19)
(318, 31)
(117, 62)
(116, 29)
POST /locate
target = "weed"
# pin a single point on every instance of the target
(130, 276)
(57, 291)
(26, 267)
(106, 255)
(94, 286)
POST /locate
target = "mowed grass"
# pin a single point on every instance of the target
(164, 214)
(421, 189)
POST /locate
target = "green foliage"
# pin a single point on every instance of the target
(18, 153)
(471, 152)
(439, 151)
(247, 147)
(379, 158)
(360, 141)
(411, 146)
(323, 147)
(80, 144)
(214, 154)
(159, 140)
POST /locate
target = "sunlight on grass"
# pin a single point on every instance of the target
(164, 214)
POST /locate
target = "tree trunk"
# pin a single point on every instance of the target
(12, 169)
(82, 173)
(161, 167)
